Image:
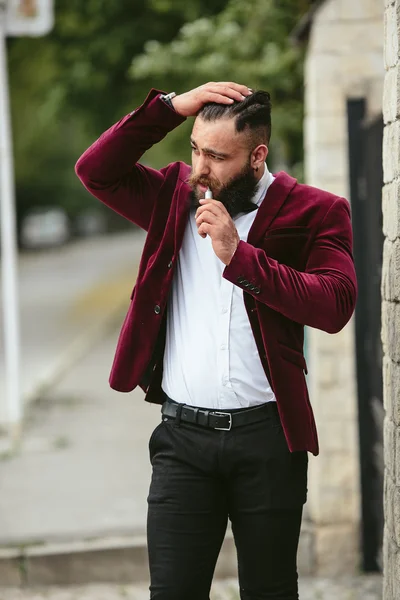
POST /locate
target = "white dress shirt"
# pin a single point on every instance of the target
(211, 358)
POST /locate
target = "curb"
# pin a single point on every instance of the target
(113, 559)
(121, 560)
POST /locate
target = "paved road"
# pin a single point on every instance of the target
(64, 293)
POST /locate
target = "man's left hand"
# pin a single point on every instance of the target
(213, 219)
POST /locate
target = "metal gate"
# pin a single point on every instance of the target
(366, 182)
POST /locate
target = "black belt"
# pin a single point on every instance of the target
(217, 419)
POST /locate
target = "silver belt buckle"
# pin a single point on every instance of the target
(223, 414)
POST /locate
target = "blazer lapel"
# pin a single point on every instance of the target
(182, 207)
(276, 195)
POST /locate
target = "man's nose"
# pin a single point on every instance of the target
(202, 166)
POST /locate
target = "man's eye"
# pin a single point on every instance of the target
(216, 157)
(194, 149)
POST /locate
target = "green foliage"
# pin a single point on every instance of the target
(68, 87)
(248, 42)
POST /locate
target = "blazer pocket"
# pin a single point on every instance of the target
(287, 246)
(288, 231)
(293, 356)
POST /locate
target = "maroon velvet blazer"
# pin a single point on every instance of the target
(295, 269)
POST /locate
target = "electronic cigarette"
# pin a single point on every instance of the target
(208, 194)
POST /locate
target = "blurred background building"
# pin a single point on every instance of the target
(343, 128)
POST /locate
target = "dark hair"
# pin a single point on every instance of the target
(252, 113)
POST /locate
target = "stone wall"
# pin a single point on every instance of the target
(344, 60)
(391, 300)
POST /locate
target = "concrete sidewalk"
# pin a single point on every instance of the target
(82, 467)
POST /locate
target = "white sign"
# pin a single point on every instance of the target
(29, 17)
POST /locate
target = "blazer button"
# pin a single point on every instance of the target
(257, 291)
(240, 279)
(170, 264)
(157, 309)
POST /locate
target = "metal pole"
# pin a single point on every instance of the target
(8, 248)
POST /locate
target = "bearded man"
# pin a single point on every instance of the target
(215, 332)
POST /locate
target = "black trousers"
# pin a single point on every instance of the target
(201, 477)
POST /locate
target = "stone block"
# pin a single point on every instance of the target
(327, 371)
(390, 327)
(396, 515)
(326, 13)
(388, 392)
(391, 210)
(338, 435)
(389, 494)
(391, 388)
(391, 149)
(81, 564)
(324, 97)
(330, 160)
(334, 488)
(335, 401)
(359, 70)
(391, 94)
(324, 130)
(391, 36)
(390, 550)
(396, 451)
(389, 441)
(353, 37)
(11, 568)
(360, 9)
(337, 550)
(390, 282)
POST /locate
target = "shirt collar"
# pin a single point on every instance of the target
(263, 186)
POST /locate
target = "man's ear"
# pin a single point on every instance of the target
(259, 156)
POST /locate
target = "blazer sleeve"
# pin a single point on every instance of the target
(324, 295)
(109, 169)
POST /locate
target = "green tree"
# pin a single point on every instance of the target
(68, 87)
(247, 42)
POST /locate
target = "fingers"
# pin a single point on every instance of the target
(226, 92)
(204, 230)
(238, 87)
(214, 206)
(218, 98)
(206, 217)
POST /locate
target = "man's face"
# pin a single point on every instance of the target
(219, 155)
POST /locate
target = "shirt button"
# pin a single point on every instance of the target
(224, 310)
(223, 347)
(157, 309)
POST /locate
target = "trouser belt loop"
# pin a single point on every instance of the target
(178, 415)
(196, 414)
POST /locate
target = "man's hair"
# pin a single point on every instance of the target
(252, 115)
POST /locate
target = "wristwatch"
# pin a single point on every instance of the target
(167, 98)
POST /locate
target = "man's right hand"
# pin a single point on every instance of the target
(189, 104)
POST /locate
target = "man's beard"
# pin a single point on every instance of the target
(235, 195)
